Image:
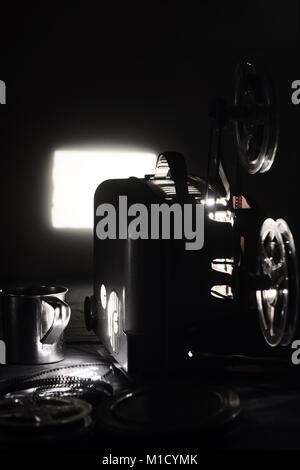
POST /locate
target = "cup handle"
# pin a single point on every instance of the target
(62, 315)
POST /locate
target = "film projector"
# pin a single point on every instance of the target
(158, 307)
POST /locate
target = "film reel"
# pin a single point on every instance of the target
(26, 421)
(62, 386)
(168, 409)
(256, 121)
(278, 305)
(293, 282)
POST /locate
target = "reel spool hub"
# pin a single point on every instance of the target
(256, 119)
(278, 305)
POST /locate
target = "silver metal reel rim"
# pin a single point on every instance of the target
(285, 285)
(256, 83)
(267, 300)
(293, 276)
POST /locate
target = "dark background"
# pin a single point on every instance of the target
(139, 76)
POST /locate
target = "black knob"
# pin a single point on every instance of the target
(90, 313)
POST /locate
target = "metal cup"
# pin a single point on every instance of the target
(34, 320)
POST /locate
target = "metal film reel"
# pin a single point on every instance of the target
(256, 123)
(293, 282)
(26, 421)
(168, 409)
(277, 305)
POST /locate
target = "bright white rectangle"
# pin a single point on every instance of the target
(77, 174)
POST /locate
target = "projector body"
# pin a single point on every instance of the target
(156, 305)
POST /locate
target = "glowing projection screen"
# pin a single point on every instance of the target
(76, 175)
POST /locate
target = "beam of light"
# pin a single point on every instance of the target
(223, 265)
(77, 174)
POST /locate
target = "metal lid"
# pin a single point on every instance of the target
(170, 409)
